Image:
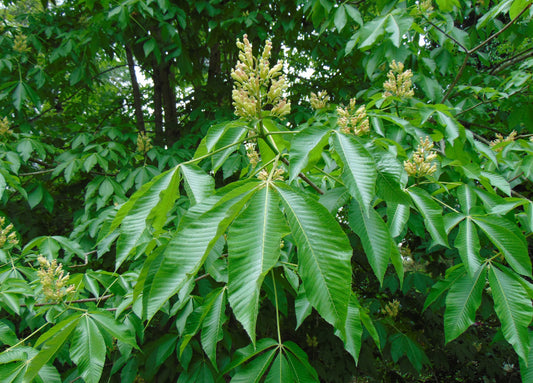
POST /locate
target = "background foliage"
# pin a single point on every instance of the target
(148, 234)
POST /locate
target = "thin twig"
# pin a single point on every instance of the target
(85, 300)
(512, 60)
(304, 178)
(456, 79)
(490, 38)
(446, 34)
(36, 173)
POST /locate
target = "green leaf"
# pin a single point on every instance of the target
(340, 18)
(88, 350)
(401, 345)
(304, 145)
(359, 169)
(324, 254)
(251, 257)
(375, 238)
(187, 250)
(513, 307)
(107, 322)
(253, 371)
(517, 7)
(212, 326)
(508, 240)
(432, 214)
(233, 134)
(246, 353)
(299, 362)
(7, 335)
(462, 302)
(452, 275)
(354, 329)
(467, 242)
(371, 31)
(52, 341)
(19, 96)
(280, 371)
(526, 367)
(397, 217)
(198, 184)
(133, 214)
(302, 306)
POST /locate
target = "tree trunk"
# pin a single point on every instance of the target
(137, 100)
(158, 105)
(172, 132)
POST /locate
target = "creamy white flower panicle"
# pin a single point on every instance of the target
(257, 85)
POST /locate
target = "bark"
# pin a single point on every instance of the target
(158, 105)
(172, 132)
(137, 100)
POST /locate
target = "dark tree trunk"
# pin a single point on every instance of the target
(172, 132)
(137, 100)
(158, 105)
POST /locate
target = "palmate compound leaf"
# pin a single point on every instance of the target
(187, 250)
(513, 307)
(132, 216)
(253, 249)
(376, 239)
(324, 255)
(462, 302)
(360, 172)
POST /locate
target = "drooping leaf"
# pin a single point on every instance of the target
(402, 345)
(462, 302)
(526, 367)
(508, 240)
(250, 257)
(253, 371)
(438, 289)
(52, 341)
(88, 350)
(513, 307)
(359, 168)
(303, 146)
(375, 238)
(467, 242)
(397, 217)
(133, 214)
(297, 358)
(432, 214)
(354, 329)
(324, 255)
(212, 327)
(106, 322)
(280, 370)
(198, 184)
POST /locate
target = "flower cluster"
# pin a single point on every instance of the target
(399, 82)
(392, 308)
(421, 163)
(257, 85)
(4, 127)
(53, 280)
(425, 6)
(499, 139)
(143, 143)
(251, 153)
(277, 176)
(7, 234)
(354, 120)
(20, 44)
(320, 100)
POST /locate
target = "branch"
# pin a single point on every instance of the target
(512, 60)
(445, 34)
(304, 178)
(85, 300)
(456, 79)
(490, 38)
(36, 173)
